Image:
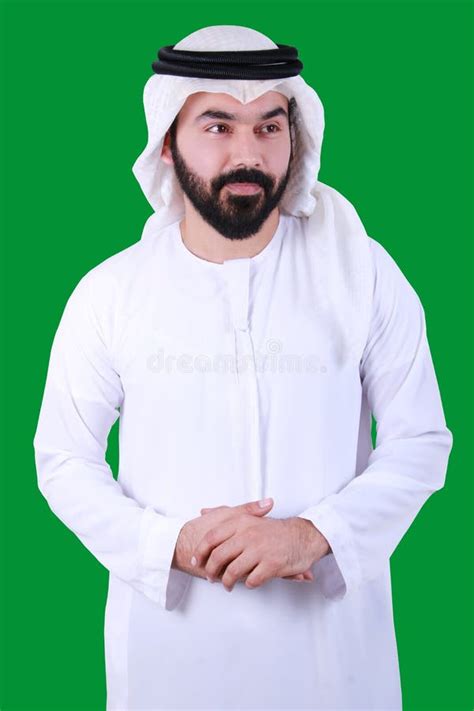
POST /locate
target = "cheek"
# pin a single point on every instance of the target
(281, 158)
(202, 157)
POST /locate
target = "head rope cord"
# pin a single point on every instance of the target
(248, 64)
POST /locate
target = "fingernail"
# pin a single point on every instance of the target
(264, 502)
(193, 561)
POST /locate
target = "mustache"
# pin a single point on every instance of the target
(243, 176)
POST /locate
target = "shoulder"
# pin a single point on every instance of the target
(117, 270)
(117, 277)
(390, 281)
(338, 210)
(96, 299)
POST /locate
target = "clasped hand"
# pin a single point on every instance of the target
(237, 543)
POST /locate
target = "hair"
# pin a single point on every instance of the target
(172, 130)
(292, 105)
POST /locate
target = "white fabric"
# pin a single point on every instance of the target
(146, 335)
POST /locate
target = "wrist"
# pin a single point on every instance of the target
(181, 551)
(318, 543)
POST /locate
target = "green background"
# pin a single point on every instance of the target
(396, 83)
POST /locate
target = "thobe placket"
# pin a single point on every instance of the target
(245, 398)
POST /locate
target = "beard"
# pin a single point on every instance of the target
(232, 215)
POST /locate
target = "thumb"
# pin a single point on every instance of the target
(257, 508)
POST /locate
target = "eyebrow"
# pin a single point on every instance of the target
(216, 114)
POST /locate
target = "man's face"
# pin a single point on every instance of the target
(232, 160)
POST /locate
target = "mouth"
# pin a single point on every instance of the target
(244, 188)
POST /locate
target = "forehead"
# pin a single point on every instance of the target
(204, 100)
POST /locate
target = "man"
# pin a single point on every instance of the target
(245, 342)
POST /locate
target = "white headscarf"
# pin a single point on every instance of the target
(164, 96)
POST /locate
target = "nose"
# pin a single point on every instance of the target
(245, 150)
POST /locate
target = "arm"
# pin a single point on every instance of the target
(81, 401)
(365, 521)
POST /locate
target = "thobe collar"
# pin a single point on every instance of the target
(206, 280)
(199, 264)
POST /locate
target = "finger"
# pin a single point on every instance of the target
(238, 569)
(222, 557)
(212, 538)
(214, 508)
(257, 577)
(257, 508)
(306, 576)
(298, 576)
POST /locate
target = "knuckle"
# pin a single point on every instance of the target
(200, 549)
(213, 563)
(210, 537)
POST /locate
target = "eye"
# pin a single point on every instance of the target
(216, 125)
(273, 125)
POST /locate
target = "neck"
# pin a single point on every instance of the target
(205, 242)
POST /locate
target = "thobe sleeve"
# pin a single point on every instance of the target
(81, 401)
(366, 519)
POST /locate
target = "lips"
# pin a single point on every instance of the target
(244, 188)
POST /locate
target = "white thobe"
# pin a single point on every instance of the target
(226, 394)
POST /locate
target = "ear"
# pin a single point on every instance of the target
(166, 156)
